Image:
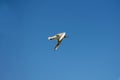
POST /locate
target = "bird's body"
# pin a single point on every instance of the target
(59, 37)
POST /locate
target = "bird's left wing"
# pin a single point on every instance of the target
(51, 38)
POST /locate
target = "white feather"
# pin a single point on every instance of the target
(59, 37)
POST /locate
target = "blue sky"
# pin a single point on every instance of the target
(92, 51)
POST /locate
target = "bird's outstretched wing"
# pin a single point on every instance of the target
(57, 45)
(51, 38)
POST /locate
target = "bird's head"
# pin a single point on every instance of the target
(66, 36)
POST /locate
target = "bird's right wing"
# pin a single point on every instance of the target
(57, 45)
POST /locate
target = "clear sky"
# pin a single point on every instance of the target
(92, 51)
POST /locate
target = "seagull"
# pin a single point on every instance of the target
(59, 37)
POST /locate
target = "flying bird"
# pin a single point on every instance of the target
(59, 37)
